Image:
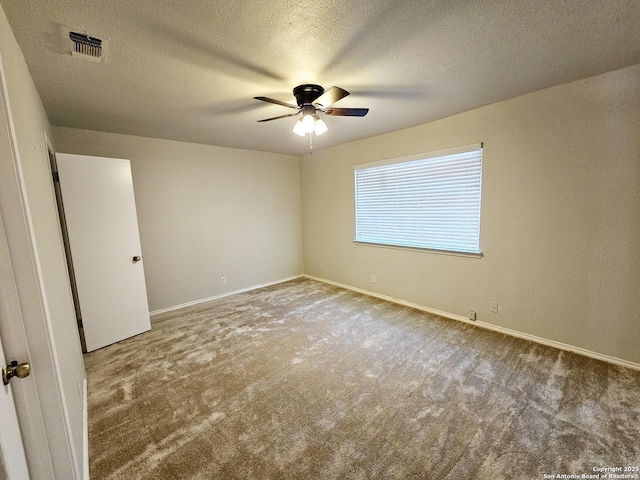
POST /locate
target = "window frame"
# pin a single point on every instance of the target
(413, 158)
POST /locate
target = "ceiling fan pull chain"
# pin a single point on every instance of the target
(310, 144)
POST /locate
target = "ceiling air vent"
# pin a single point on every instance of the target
(86, 46)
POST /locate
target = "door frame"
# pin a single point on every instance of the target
(26, 329)
(53, 163)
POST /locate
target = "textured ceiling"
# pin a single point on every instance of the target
(189, 70)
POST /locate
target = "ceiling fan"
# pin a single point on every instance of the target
(312, 99)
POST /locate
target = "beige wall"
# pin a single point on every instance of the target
(560, 216)
(54, 347)
(205, 212)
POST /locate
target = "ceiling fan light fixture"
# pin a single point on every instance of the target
(320, 127)
(308, 122)
(298, 128)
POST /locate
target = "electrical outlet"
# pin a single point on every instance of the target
(472, 315)
(493, 307)
(223, 280)
(373, 279)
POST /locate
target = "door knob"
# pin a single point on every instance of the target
(15, 370)
(137, 258)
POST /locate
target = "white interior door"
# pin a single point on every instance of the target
(13, 462)
(102, 224)
(23, 327)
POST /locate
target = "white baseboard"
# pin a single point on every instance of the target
(222, 295)
(489, 326)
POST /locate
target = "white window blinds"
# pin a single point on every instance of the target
(430, 203)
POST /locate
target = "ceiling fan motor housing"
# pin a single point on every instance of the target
(306, 94)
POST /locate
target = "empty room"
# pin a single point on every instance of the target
(320, 240)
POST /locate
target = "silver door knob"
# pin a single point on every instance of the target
(15, 370)
(137, 258)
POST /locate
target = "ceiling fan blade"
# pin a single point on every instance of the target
(277, 102)
(330, 97)
(347, 112)
(279, 116)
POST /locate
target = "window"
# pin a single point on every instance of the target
(429, 201)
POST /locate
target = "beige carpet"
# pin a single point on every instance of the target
(304, 380)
